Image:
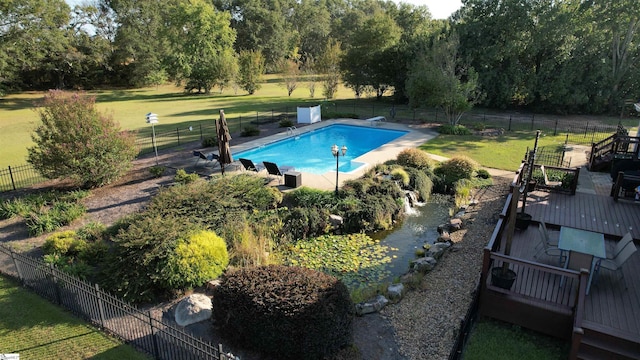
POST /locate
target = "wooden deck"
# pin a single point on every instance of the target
(609, 305)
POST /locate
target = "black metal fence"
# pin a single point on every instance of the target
(466, 326)
(137, 328)
(575, 132)
(17, 177)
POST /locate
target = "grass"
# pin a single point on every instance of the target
(37, 329)
(18, 117)
(493, 340)
(502, 152)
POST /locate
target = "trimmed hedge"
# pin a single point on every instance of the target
(286, 312)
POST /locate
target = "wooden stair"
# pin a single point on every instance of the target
(600, 342)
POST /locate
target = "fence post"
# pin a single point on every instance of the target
(586, 129)
(555, 129)
(156, 351)
(15, 263)
(257, 118)
(221, 354)
(13, 183)
(201, 135)
(100, 305)
(509, 122)
(56, 287)
(373, 109)
(533, 116)
(178, 133)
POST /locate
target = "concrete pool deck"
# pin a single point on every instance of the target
(327, 181)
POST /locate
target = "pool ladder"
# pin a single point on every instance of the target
(292, 130)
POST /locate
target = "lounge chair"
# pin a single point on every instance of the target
(250, 166)
(201, 156)
(276, 170)
(547, 182)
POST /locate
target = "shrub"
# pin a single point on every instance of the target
(209, 141)
(456, 168)
(250, 131)
(64, 243)
(313, 320)
(416, 158)
(479, 126)
(483, 174)
(76, 142)
(285, 122)
(199, 257)
(182, 177)
(305, 196)
(138, 265)
(453, 130)
(157, 171)
(303, 222)
(421, 183)
(400, 175)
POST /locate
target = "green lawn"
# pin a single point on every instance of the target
(36, 329)
(502, 152)
(493, 340)
(18, 117)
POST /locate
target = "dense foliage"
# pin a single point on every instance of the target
(562, 56)
(416, 158)
(456, 168)
(287, 312)
(76, 142)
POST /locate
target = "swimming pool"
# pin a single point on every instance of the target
(311, 151)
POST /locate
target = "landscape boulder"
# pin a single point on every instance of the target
(394, 291)
(371, 306)
(192, 309)
(424, 264)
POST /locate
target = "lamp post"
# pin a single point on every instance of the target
(336, 153)
(153, 119)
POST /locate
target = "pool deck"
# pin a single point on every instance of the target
(414, 138)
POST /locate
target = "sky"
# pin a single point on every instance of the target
(440, 9)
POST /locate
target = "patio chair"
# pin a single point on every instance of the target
(626, 239)
(547, 245)
(250, 166)
(616, 263)
(202, 156)
(276, 170)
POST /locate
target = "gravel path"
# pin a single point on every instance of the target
(426, 320)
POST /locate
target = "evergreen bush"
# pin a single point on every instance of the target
(456, 168)
(285, 312)
(182, 177)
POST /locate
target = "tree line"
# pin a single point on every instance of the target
(567, 56)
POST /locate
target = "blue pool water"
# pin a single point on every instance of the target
(311, 151)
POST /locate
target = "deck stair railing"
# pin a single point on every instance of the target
(616, 144)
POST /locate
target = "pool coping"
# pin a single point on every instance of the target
(413, 138)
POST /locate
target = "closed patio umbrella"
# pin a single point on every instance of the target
(223, 141)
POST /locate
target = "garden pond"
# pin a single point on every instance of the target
(419, 227)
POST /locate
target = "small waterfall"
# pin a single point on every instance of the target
(410, 201)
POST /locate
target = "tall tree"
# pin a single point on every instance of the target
(32, 33)
(251, 68)
(329, 66)
(201, 43)
(439, 79)
(139, 44)
(261, 25)
(364, 63)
